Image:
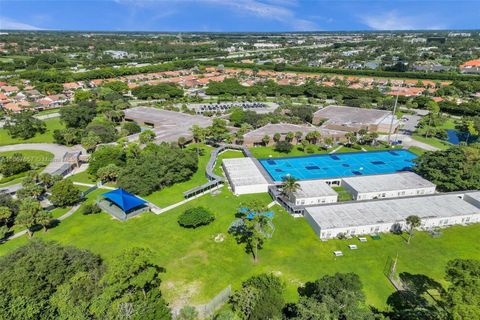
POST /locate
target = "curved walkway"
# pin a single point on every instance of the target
(63, 217)
(57, 150)
(214, 179)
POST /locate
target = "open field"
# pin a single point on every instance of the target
(52, 124)
(37, 159)
(197, 267)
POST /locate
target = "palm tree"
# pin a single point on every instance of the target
(412, 223)
(289, 136)
(181, 142)
(298, 136)
(351, 138)
(266, 139)
(290, 185)
(276, 137)
(44, 218)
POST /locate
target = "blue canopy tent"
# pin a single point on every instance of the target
(128, 204)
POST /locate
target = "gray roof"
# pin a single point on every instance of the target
(387, 182)
(374, 212)
(284, 128)
(169, 125)
(243, 172)
(313, 189)
(352, 115)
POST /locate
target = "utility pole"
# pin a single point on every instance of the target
(393, 118)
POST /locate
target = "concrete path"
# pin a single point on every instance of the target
(63, 217)
(408, 141)
(57, 150)
(57, 162)
(336, 149)
(162, 210)
(92, 185)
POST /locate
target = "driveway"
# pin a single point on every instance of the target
(408, 141)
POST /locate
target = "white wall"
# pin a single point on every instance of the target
(387, 194)
(249, 189)
(427, 223)
(315, 200)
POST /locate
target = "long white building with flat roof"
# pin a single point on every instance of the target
(401, 184)
(244, 176)
(375, 216)
(312, 192)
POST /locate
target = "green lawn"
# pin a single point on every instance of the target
(197, 267)
(82, 177)
(343, 194)
(52, 124)
(38, 160)
(432, 141)
(228, 154)
(266, 152)
(417, 150)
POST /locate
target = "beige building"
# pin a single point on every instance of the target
(255, 137)
(353, 119)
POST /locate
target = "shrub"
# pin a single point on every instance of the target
(283, 146)
(195, 217)
(91, 208)
(310, 149)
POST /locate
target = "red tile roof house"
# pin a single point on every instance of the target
(3, 98)
(72, 85)
(9, 90)
(472, 66)
(96, 82)
(16, 107)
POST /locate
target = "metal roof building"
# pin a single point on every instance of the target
(244, 176)
(313, 192)
(369, 217)
(400, 184)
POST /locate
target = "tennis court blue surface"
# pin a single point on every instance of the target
(326, 166)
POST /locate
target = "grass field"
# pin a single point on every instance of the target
(432, 141)
(228, 154)
(197, 267)
(38, 160)
(343, 194)
(52, 124)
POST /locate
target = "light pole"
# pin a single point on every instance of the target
(393, 118)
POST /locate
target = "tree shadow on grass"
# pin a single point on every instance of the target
(416, 300)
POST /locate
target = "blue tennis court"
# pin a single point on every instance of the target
(327, 166)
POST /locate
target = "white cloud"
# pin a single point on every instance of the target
(277, 10)
(392, 20)
(10, 24)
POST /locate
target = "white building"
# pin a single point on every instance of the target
(312, 192)
(244, 176)
(401, 184)
(375, 216)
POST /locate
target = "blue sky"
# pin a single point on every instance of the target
(239, 15)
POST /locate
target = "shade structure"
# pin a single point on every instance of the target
(123, 199)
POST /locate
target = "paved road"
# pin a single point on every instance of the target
(410, 122)
(408, 141)
(57, 162)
